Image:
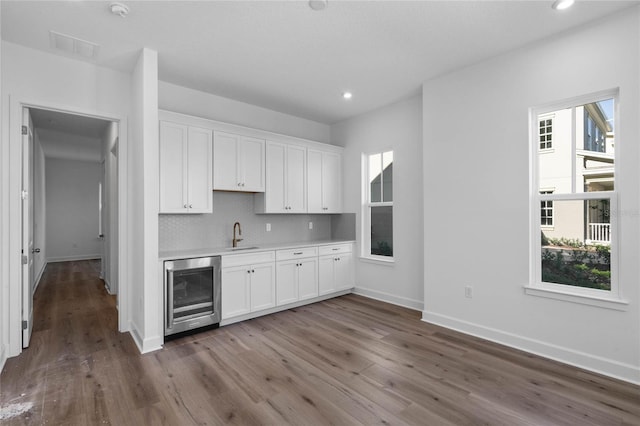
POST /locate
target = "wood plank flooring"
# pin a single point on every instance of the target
(348, 360)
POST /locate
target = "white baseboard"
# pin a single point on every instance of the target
(107, 286)
(405, 302)
(147, 345)
(73, 258)
(607, 367)
(39, 277)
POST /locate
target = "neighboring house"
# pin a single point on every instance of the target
(592, 158)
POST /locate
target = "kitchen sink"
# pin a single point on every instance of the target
(242, 248)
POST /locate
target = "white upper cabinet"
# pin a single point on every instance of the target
(185, 169)
(324, 181)
(286, 176)
(238, 163)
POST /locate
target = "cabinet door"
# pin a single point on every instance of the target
(296, 179)
(331, 182)
(274, 196)
(326, 281)
(251, 159)
(307, 278)
(225, 161)
(343, 271)
(199, 171)
(173, 164)
(314, 181)
(287, 281)
(236, 291)
(263, 286)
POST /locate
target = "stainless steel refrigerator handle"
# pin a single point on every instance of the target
(170, 298)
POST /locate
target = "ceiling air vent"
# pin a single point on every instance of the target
(73, 46)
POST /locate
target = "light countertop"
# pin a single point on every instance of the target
(249, 248)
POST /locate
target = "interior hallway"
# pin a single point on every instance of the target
(348, 360)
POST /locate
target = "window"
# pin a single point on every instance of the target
(378, 205)
(546, 211)
(574, 239)
(545, 132)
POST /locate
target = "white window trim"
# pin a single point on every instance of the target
(365, 249)
(611, 299)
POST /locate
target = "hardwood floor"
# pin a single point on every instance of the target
(348, 360)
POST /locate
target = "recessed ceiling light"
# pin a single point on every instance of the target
(562, 4)
(347, 95)
(318, 4)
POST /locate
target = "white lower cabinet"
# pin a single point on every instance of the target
(335, 268)
(296, 274)
(253, 282)
(247, 287)
(296, 280)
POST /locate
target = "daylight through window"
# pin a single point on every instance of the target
(576, 224)
(378, 207)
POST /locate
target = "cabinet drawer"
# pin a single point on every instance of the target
(247, 258)
(298, 253)
(335, 249)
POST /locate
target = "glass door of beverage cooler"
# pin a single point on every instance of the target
(192, 293)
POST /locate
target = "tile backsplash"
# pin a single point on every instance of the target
(195, 231)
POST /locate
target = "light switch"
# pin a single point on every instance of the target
(310, 225)
(268, 227)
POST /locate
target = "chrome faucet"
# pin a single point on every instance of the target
(236, 240)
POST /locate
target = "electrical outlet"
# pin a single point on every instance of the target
(310, 225)
(268, 227)
(468, 291)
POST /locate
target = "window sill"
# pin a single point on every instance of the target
(601, 302)
(378, 260)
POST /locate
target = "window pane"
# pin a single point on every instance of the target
(375, 178)
(382, 230)
(387, 176)
(582, 159)
(577, 250)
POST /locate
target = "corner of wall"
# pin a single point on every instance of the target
(3, 357)
(145, 345)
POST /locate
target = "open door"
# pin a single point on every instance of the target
(28, 249)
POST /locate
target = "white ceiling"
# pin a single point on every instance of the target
(284, 56)
(67, 136)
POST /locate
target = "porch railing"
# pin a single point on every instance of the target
(599, 233)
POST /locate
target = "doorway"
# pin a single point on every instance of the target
(71, 211)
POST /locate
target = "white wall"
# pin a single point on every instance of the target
(397, 127)
(4, 275)
(72, 210)
(143, 163)
(476, 193)
(30, 76)
(200, 104)
(39, 212)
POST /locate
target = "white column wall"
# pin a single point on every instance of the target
(146, 290)
(476, 168)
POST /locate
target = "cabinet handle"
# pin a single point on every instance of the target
(297, 253)
(335, 249)
(253, 271)
(239, 184)
(190, 206)
(185, 206)
(248, 271)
